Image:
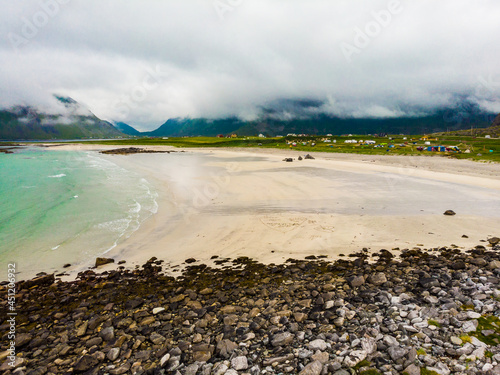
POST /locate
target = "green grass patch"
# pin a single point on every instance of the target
(370, 372)
(488, 323)
(421, 351)
(435, 323)
(424, 371)
(363, 363)
(465, 339)
(481, 149)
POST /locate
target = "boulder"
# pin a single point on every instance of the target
(102, 261)
(85, 363)
(37, 281)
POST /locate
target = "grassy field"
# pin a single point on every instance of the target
(478, 148)
(474, 148)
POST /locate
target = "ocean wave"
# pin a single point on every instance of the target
(119, 225)
(136, 208)
(58, 175)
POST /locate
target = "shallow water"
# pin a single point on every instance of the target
(66, 206)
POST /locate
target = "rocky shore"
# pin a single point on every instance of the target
(431, 311)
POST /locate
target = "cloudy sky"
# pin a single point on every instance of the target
(144, 61)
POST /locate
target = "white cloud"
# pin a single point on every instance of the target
(101, 53)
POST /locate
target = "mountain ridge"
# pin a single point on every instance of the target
(73, 121)
(444, 120)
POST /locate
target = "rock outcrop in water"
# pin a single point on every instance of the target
(434, 311)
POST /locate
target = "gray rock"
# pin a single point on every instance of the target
(318, 344)
(470, 326)
(377, 279)
(323, 357)
(85, 363)
(113, 354)
(239, 363)
(123, 369)
(270, 361)
(219, 368)
(390, 341)
(495, 370)
(280, 339)
(22, 339)
(395, 352)
(313, 368)
(304, 353)
(355, 281)
(494, 265)
(191, 369)
(355, 357)
(412, 370)
(107, 334)
(156, 338)
(164, 359)
(226, 347)
(93, 341)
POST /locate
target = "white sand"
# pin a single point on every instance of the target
(250, 203)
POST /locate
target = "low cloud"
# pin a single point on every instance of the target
(144, 62)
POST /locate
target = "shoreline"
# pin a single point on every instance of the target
(261, 207)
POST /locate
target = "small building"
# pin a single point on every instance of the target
(234, 135)
(262, 135)
(220, 135)
(487, 136)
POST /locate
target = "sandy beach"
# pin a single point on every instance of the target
(233, 203)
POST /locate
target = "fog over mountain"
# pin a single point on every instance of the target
(143, 62)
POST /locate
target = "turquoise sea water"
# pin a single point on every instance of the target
(61, 207)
